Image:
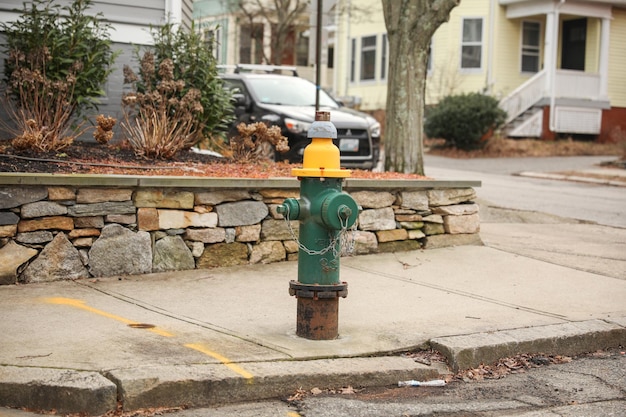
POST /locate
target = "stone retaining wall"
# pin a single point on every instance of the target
(69, 227)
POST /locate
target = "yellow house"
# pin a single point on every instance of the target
(558, 66)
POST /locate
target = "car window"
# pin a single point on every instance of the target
(235, 86)
(288, 91)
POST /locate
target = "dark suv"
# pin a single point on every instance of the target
(289, 102)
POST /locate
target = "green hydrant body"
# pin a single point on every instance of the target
(325, 213)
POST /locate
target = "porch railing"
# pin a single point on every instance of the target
(569, 84)
(524, 96)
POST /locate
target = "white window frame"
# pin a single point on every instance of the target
(362, 50)
(480, 43)
(353, 63)
(523, 47)
(384, 56)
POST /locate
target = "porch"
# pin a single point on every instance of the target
(569, 93)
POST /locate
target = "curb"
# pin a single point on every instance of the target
(92, 393)
(571, 339)
(575, 178)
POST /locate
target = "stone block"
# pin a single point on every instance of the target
(457, 209)
(61, 194)
(210, 235)
(365, 242)
(279, 229)
(433, 218)
(101, 209)
(223, 254)
(391, 235)
(91, 232)
(373, 199)
(412, 225)
(416, 200)
(12, 256)
(212, 198)
(8, 231)
(147, 219)
(120, 251)
(11, 197)
(377, 219)
(241, 213)
(121, 218)
(102, 195)
(179, 219)
(462, 224)
(268, 252)
(82, 242)
(251, 233)
(399, 246)
(35, 238)
(88, 222)
(449, 196)
(433, 229)
(164, 199)
(416, 234)
(171, 254)
(8, 218)
(408, 217)
(59, 260)
(47, 223)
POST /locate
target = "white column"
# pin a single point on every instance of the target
(267, 42)
(549, 51)
(603, 66)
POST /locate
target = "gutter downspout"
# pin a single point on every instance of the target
(553, 69)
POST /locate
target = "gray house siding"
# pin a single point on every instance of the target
(122, 15)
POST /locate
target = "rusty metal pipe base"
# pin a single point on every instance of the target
(318, 318)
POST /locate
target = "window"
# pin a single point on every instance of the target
(472, 43)
(212, 39)
(353, 60)
(251, 44)
(368, 58)
(530, 46)
(383, 59)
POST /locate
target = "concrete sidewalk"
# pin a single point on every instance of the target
(206, 337)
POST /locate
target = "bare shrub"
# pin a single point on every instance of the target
(41, 109)
(157, 123)
(244, 147)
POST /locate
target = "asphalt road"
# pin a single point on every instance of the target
(602, 204)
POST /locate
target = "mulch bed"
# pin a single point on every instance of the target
(94, 158)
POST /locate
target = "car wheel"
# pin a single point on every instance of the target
(265, 151)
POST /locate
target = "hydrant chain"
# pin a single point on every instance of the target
(343, 238)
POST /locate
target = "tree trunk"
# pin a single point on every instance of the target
(410, 26)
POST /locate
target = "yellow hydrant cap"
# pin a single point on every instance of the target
(321, 156)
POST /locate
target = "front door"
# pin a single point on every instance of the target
(574, 40)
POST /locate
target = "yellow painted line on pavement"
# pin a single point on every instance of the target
(293, 414)
(80, 304)
(224, 360)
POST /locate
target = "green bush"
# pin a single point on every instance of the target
(57, 59)
(462, 120)
(195, 65)
(59, 41)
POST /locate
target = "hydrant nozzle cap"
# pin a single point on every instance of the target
(322, 116)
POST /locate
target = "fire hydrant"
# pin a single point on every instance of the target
(325, 214)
